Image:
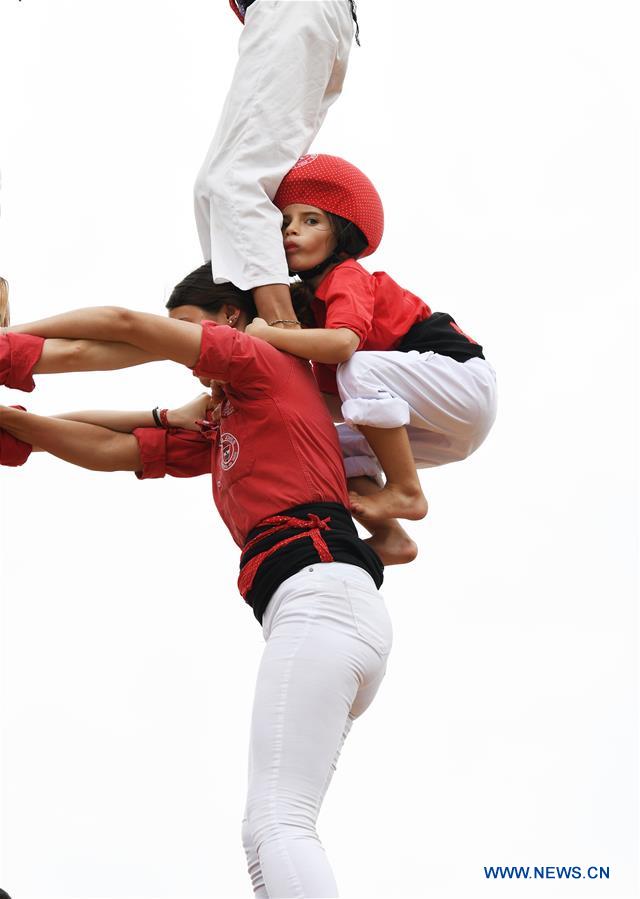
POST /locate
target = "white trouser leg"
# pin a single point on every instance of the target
(447, 406)
(328, 636)
(292, 61)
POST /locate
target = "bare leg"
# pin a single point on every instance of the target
(160, 337)
(388, 538)
(273, 302)
(402, 495)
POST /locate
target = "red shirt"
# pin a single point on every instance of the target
(275, 447)
(373, 306)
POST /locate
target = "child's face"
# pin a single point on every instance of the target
(308, 236)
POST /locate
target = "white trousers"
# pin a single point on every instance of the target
(328, 636)
(448, 407)
(292, 61)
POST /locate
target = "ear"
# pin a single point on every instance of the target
(232, 313)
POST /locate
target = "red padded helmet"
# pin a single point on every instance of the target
(334, 185)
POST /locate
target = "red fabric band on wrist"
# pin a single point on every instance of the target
(13, 452)
(19, 353)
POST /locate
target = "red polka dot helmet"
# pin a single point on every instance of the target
(334, 185)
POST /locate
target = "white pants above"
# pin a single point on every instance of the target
(292, 61)
(328, 635)
(448, 407)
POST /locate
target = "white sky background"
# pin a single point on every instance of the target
(502, 137)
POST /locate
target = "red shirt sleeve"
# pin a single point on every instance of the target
(176, 452)
(348, 294)
(247, 363)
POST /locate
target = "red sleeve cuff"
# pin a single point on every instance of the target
(152, 443)
(216, 350)
(18, 355)
(13, 452)
(176, 452)
(353, 324)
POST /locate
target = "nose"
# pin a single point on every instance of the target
(290, 229)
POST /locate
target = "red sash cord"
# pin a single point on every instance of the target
(309, 527)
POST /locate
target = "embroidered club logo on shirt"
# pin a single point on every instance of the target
(229, 451)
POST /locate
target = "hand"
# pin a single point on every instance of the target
(187, 415)
(258, 328)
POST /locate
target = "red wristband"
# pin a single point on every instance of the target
(163, 418)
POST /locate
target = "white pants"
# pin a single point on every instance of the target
(292, 61)
(447, 406)
(328, 636)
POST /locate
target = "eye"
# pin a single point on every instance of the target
(311, 220)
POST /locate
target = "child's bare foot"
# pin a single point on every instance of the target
(393, 545)
(390, 502)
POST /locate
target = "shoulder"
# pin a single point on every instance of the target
(347, 274)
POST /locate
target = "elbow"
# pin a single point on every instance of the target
(346, 346)
(118, 322)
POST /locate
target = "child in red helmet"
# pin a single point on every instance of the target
(419, 389)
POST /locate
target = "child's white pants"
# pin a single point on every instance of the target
(447, 406)
(328, 636)
(292, 61)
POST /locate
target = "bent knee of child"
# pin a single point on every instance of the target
(358, 376)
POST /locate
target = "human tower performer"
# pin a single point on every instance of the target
(414, 386)
(408, 387)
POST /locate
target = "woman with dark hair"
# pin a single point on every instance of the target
(279, 485)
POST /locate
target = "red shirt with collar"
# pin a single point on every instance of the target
(373, 306)
(275, 446)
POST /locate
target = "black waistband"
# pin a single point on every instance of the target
(341, 538)
(440, 334)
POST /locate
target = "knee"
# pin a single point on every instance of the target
(355, 375)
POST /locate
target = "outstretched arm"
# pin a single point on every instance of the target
(161, 338)
(185, 417)
(86, 445)
(89, 355)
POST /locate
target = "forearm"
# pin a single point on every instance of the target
(185, 417)
(273, 302)
(328, 345)
(86, 445)
(160, 337)
(124, 422)
(66, 355)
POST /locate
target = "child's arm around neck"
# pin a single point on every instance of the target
(328, 345)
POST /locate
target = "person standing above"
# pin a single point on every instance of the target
(292, 62)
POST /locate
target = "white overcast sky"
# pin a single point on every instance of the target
(503, 139)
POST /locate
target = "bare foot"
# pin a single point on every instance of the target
(393, 545)
(390, 502)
